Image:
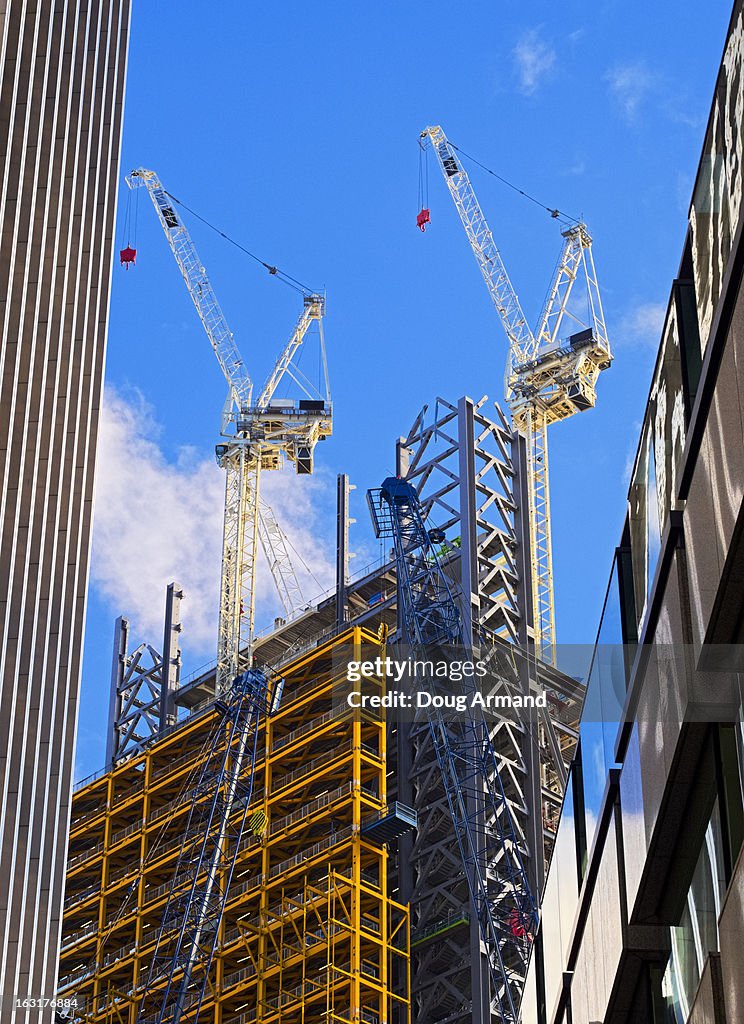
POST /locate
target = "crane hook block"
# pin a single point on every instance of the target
(423, 218)
(127, 256)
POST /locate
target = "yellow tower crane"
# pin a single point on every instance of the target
(258, 435)
(548, 377)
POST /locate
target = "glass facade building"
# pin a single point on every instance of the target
(643, 908)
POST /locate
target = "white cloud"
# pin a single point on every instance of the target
(630, 85)
(577, 168)
(643, 324)
(634, 85)
(534, 59)
(158, 520)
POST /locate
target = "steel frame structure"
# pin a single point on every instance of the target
(461, 459)
(144, 683)
(311, 929)
(469, 467)
(546, 379)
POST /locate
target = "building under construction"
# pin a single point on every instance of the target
(348, 901)
(310, 929)
(258, 851)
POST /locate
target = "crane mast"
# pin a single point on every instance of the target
(267, 433)
(546, 378)
(486, 835)
(258, 436)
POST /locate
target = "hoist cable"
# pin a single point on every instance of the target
(423, 178)
(287, 279)
(552, 210)
(126, 221)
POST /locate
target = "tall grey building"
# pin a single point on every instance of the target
(62, 76)
(643, 908)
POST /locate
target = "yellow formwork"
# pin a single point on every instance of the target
(309, 932)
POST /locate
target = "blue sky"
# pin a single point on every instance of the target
(294, 128)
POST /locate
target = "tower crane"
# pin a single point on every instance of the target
(548, 378)
(275, 547)
(486, 835)
(258, 436)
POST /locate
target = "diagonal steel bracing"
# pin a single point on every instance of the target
(470, 469)
(144, 683)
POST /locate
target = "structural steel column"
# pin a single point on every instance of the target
(343, 488)
(469, 603)
(171, 656)
(118, 667)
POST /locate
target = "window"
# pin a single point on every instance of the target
(696, 935)
(603, 704)
(645, 522)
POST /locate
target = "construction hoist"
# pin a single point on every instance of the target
(217, 822)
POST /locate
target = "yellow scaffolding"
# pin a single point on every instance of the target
(310, 933)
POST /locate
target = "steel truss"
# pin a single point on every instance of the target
(143, 684)
(276, 551)
(462, 463)
(540, 531)
(470, 468)
(430, 622)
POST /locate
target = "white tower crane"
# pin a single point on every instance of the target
(548, 378)
(258, 436)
